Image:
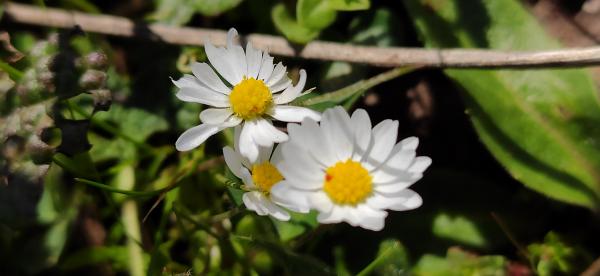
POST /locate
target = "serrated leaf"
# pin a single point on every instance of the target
(288, 26)
(315, 14)
(540, 124)
(350, 5)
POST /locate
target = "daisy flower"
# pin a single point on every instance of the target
(348, 171)
(259, 178)
(246, 89)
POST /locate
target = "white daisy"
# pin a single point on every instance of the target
(259, 178)
(348, 171)
(254, 92)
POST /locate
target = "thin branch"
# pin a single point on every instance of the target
(384, 57)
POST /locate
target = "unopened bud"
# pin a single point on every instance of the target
(102, 99)
(92, 79)
(97, 60)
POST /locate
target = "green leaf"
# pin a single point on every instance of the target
(133, 122)
(282, 18)
(556, 257)
(539, 124)
(459, 229)
(350, 5)
(173, 12)
(458, 262)
(315, 14)
(296, 226)
(116, 256)
(215, 7)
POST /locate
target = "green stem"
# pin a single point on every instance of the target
(360, 86)
(131, 223)
(119, 191)
(225, 215)
(199, 225)
(12, 72)
(375, 263)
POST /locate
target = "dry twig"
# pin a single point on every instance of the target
(385, 57)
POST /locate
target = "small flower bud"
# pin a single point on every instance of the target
(92, 79)
(97, 60)
(102, 99)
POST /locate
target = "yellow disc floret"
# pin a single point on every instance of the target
(251, 98)
(265, 175)
(348, 183)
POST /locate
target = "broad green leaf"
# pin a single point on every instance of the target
(286, 24)
(350, 5)
(215, 7)
(541, 125)
(458, 229)
(315, 14)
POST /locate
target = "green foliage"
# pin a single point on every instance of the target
(312, 16)
(459, 262)
(391, 259)
(180, 12)
(533, 122)
(555, 256)
(458, 229)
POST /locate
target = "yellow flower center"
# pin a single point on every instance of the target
(265, 175)
(348, 183)
(250, 98)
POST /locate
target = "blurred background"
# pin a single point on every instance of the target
(90, 181)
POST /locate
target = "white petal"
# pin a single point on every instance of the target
(403, 200)
(337, 129)
(233, 161)
(335, 215)
(420, 164)
(248, 148)
(203, 96)
(281, 85)
(320, 201)
(215, 116)
(299, 169)
(195, 136)
(410, 143)
(220, 60)
(247, 178)
(265, 134)
(371, 219)
(275, 211)
(400, 159)
(393, 187)
(384, 139)
(295, 114)
(236, 53)
(264, 154)
(236, 145)
(310, 136)
(361, 125)
(292, 92)
(277, 156)
(277, 75)
(266, 67)
(387, 175)
(208, 77)
(253, 203)
(253, 60)
(285, 195)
